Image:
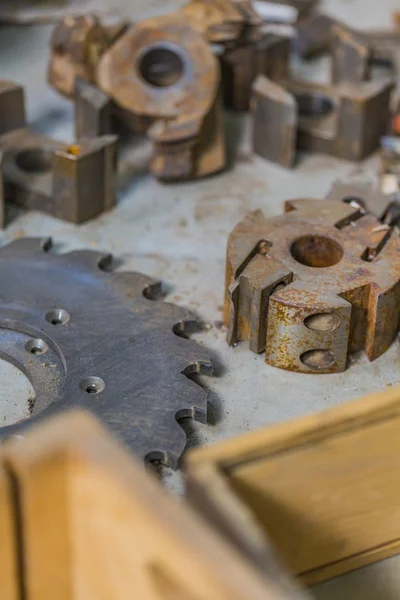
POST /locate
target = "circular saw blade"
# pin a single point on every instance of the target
(100, 340)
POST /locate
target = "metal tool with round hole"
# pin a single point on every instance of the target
(292, 115)
(158, 76)
(72, 182)
(100, 340)
(314, 285)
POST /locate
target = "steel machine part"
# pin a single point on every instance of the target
(169, 87)
(345, 120)
(219, 21)
(353, 51)
(359, 56)
(172, 81)
(77, 45)
(351, 57)
(241, 65)
(123, 356)
(94, 111)
(274, 122)
(368, 199)
(255, 51)
(159, 75)
(314, 285)
(384, 47)
(72, 182)
(314, 35)
(317, 34)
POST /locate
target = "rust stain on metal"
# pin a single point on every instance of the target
(159, 76)
(328, 285)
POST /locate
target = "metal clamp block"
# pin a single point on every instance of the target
(345, 120)
(72, 182)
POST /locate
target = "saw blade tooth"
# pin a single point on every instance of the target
(180, 319)
(150, 288)
(195, 397)
(90, 259)
(169, 454)
(192, 357)
(199, 366)
(26, 246)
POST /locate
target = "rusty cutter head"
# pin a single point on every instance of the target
(313, 285)
(76, 46)
(164, 71)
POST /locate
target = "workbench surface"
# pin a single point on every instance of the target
(178, 233)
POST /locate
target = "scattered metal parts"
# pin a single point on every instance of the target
(77, 45)
(94, 111)
(345, 120)
(314, 35)
(71, 182)
(219, 21)
(365, 197)
(255, 51)
(268, 56)
(121, 357)
(385, 48)
(352, 50)
(227, 21)
(320, 33)
(358, 56)
(314, 285)
(275, 122)
(160, 75)
(172, 81)
(351, 57)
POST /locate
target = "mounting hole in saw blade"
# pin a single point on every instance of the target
(36, 346)
(58, 316)
(316, 251)
(92, 385)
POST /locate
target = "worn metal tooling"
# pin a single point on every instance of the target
(314, 35)
(359, 56)
(161, 77)
(268, 55)
(26, 12)
(253, 51)
(368, 199)
(123, 356)
(72, 182)
(314, 285)
(351, 49)
(345, 120)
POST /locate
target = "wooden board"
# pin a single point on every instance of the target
(10, 580)
(97, 526)
(324, 488)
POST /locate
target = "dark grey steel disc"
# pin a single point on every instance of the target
(96, 339)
